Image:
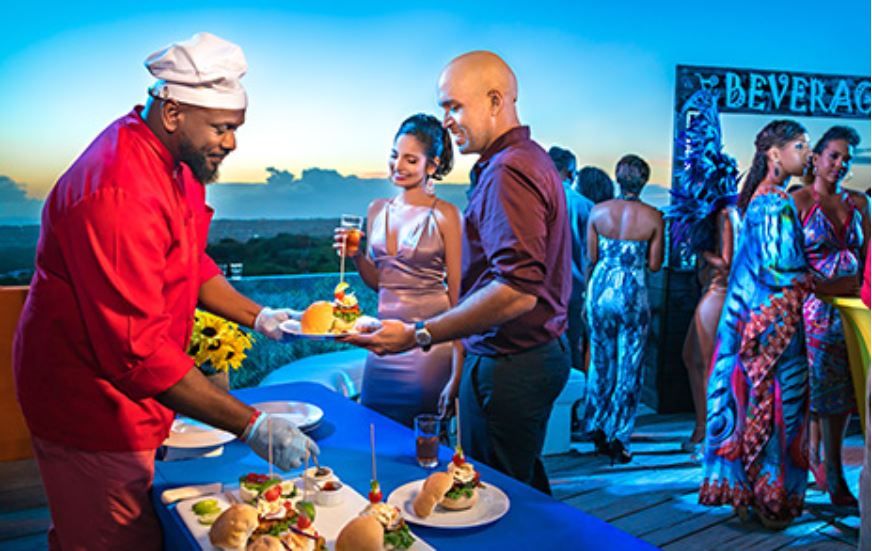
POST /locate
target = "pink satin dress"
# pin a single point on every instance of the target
(411, 288)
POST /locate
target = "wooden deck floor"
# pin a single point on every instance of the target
(653, 498)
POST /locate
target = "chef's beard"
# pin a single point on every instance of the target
(196, 161)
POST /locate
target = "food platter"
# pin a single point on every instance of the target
(328, 520)
(492, 504)
(293, 331)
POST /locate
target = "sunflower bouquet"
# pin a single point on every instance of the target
(217, 344)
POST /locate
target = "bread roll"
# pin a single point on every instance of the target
(318, 318)
(266, 543)
(361, 534)
(432, 491)
(460, 503)
(232, 529)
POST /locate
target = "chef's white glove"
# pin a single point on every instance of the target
(290, 447)
(268, 320)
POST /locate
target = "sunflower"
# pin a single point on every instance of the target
(217, 344)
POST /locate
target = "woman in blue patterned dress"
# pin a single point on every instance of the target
(624, 237)
(756, 452)
(836, 225)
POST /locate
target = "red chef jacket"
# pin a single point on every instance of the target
(119, 264)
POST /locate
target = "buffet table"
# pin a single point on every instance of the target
(534, 520)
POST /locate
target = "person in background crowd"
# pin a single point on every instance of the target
(413, 263)
(624, 237)
(703, 215)
(99, 352)
(755, 452)
(835, 225)
(578, 211)
(516, 278)
(595, 184)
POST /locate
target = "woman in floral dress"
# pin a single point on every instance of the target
(835, 224)
(624, 238)
(756, 452)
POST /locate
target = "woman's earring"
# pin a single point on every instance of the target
(429, 186)
(777, 170)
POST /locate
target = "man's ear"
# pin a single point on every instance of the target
(170, 115)
(495, 97)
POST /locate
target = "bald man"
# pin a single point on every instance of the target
(516, 277)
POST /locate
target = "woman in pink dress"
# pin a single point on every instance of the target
(413, 262)
(835, 225)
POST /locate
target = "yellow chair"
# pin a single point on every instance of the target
(856, 321)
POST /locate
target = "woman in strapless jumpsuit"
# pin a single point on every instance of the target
(413, 262)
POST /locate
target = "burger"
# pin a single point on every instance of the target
(254, 486)
(463, 493)
(380, 527)
(271, 503)
(455, 489)
(346, 310)
(266, 543)
(233, 527)
(339, 316)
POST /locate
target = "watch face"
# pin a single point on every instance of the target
(422, 337)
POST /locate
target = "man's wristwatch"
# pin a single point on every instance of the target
(423, 338)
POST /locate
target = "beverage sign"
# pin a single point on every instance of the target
(777, 92)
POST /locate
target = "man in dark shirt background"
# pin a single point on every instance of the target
(577, 211)
(516, 280)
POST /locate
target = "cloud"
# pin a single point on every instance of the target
(318, 193)
(15, 206)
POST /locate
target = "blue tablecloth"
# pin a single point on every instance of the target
(534, 521)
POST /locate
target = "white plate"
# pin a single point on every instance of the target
(188, 433)
(303, 415)
(329, 521)
(292, 329)
(492, 504)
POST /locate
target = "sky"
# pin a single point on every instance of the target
(330, 82)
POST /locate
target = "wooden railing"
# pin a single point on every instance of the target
(14, 436)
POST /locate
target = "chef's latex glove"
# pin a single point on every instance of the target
(290, 447)
(269, 319)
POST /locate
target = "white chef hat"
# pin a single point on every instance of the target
(204, 71)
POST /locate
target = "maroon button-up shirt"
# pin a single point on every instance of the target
(119, 264)
(516, 232)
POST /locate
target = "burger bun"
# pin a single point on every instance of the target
(432, 491)
(461, 503)
(364, 533)
(317, 319)
(233, 527)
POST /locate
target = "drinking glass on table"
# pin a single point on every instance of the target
(351, 226)
(428, 428)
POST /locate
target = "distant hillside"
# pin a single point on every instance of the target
(244, 230)
(319, 193)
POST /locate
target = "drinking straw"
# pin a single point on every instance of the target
(342, 258)
(269, 445)
(457, 413)
(372, 448)
(307, 483)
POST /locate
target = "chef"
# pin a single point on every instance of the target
(99, 353)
